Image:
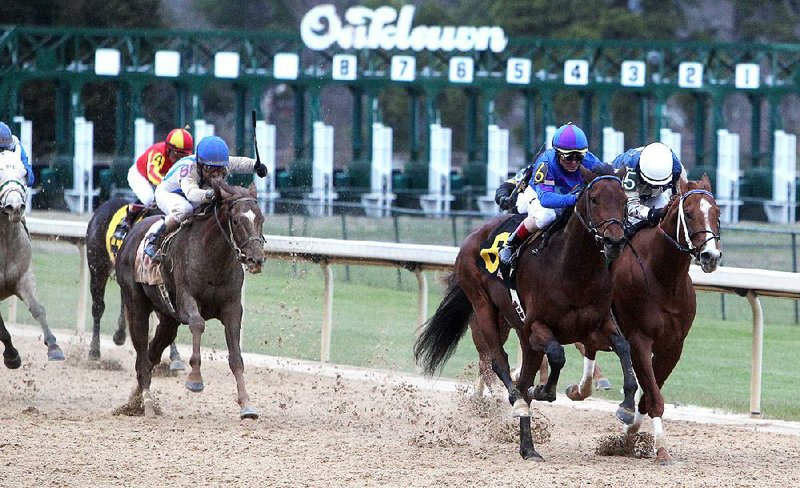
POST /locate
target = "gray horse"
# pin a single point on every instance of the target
(16, 272)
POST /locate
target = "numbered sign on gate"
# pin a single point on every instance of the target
(286, 66)
(576, 72)
(690, 75)
(344, 67)
(404, 68)
(748, 76)
(633, 73)
(461, 69)
(518, 71)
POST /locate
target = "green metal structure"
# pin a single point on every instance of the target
(67, 57)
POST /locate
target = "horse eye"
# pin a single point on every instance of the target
(689, 216)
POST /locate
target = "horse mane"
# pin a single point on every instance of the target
(223, 192)
(604, 169)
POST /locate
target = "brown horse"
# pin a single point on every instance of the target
(654, 302)
(202, 277)
(100, 244)
(565, 293)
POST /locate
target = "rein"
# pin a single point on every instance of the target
(235, 246)
(687, 236)
(596, 230)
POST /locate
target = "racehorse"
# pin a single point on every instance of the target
(15, 260)
(564, 291)
(100, 247)
(654, 299)
(202, 278)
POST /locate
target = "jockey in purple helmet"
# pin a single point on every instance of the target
(16, 153)
(551, 183)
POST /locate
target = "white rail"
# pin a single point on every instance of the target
(749, 283)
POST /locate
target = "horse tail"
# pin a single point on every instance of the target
(441, 333)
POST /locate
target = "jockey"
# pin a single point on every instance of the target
(149, 170)
(551, 183)
(9, 142)
(653, 171)
(185, 186)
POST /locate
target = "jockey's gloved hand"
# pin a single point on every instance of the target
(208, 196)
(654, 215)
(260, 169)
(504, 203)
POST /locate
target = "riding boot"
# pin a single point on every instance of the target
(127, 222)
(154, 243)
(509, 249)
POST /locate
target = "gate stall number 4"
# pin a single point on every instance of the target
(576, 72)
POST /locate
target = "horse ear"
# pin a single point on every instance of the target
(587, 175)
(706, 182)
(252, 190)
(622, 172)
(683, 186)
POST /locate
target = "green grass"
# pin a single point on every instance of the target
(374, 319)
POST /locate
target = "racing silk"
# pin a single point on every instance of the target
(18, 158)
(554, 186)
(154, 163)
(184, 177)
(641, 196)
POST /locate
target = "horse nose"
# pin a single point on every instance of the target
(709, 259)
(612, 247)
(254, 264)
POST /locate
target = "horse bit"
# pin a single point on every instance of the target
(229, 235)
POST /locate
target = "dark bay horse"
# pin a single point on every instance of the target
(16, 277)
(654, 299)
(100, 246)
(202, 275)
(564, 289)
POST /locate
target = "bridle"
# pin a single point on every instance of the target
(687, 236)
(597, 230)
(237, 247)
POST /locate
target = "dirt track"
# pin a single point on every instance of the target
(58, 430)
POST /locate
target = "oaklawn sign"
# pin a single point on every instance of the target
(385, 28)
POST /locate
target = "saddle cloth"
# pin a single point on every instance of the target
(146, 271)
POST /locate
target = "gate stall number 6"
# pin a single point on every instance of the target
(461, 69)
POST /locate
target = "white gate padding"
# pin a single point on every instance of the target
(782, 208)
(378, 203)
(26, 139)
(265, 136)
(81, 198)
(672, 140)
(202, 129)
(143, 136)
(613, 144)
(496, 167)
(320, 200)
(437, 201)
(727, 191)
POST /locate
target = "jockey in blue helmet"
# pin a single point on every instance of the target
(550, 184)
(186, 185)
(9, 142)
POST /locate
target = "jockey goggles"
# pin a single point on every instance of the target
(574, 155)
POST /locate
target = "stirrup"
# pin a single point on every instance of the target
(121, 231)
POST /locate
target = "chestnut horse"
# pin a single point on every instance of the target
(654, 299)
(564, 289)
(98, 255)
(202, 275)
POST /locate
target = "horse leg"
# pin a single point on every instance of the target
(10, 355)
(664, 362)
(119, 334)
(583, 389)
(98, 278)
(622, 349)
(544, 341)
(26, 291)
(231, 318)
(489, 343)
(194, 381)
(530, 360)
(175, 361)
(138, 317)
(641, 356)
(165, 333)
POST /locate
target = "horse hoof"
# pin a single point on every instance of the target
(149, 409)
(195, 386)
(94, 355)
(625, 416)
(603, 384)
(248, 413)
(662, 457)
(520, 409)
(530, 455)
(574, 393)
(119, 337)
(12, 363)
(177, 365)
(54, 353)
(540, 394)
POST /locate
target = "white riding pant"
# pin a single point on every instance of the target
(538, 217)
(143, 189)
(175, 206)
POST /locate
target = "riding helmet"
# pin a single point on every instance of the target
(6, 139)
(180, 140)
(212, 151)
(570, 138)
(655, 164)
